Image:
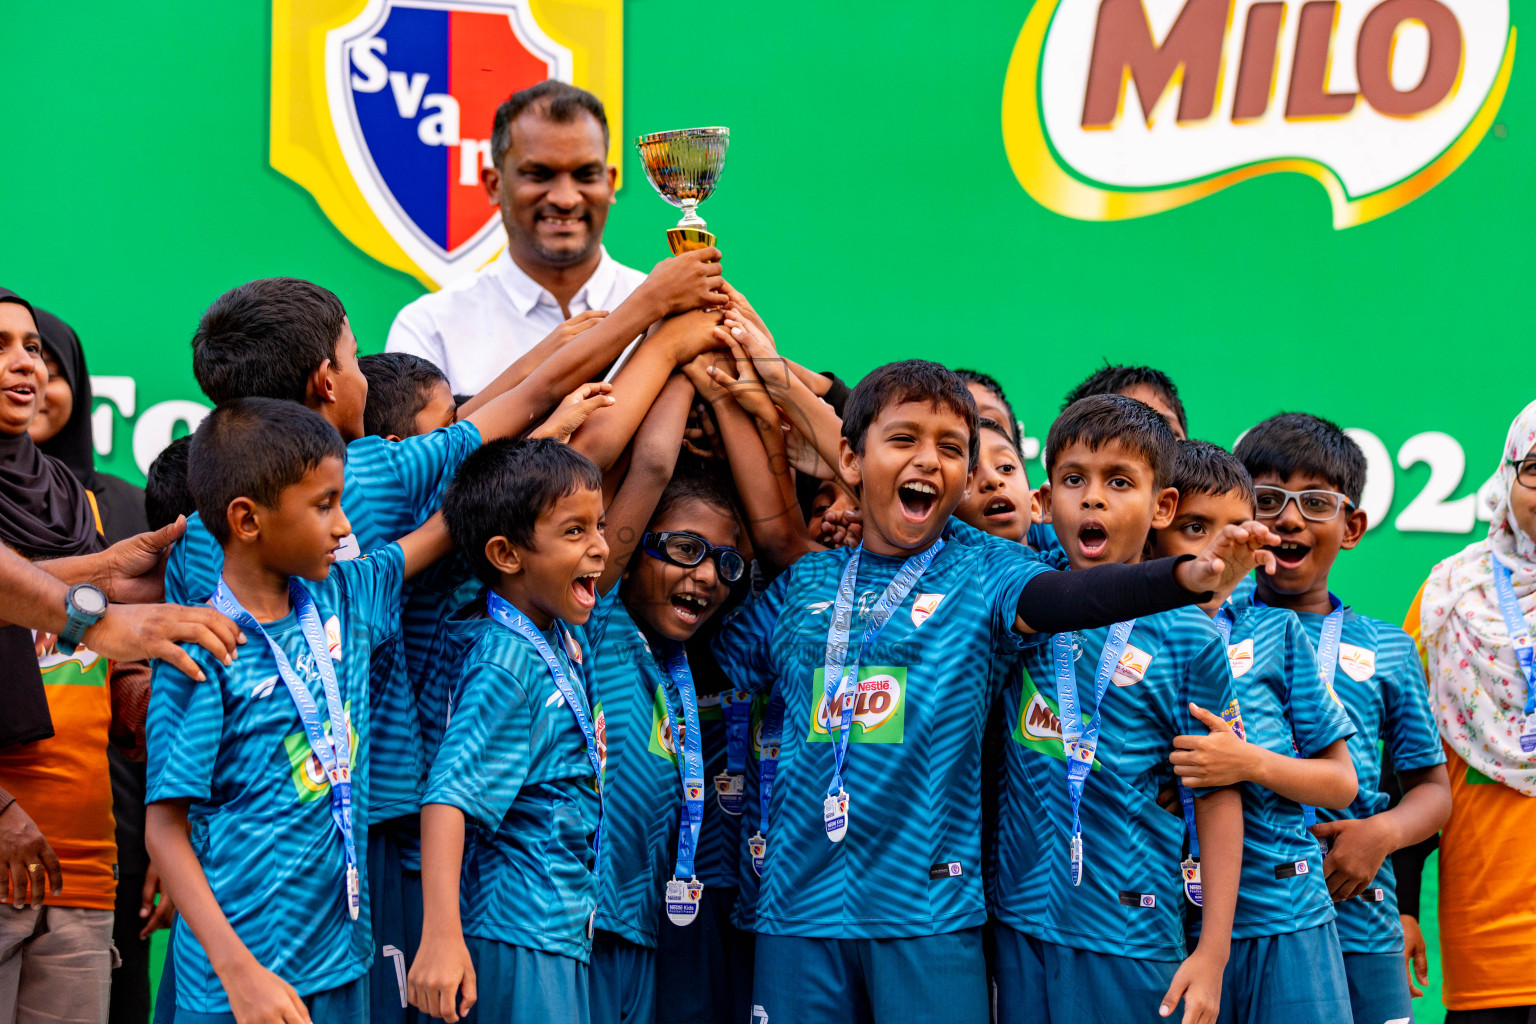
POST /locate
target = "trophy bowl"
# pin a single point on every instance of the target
(683, 167)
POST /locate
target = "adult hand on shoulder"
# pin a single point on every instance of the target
(573, 411)
(1220, 758)
(138, 632)
(26, 859)
(1415, 955)
(257, 996)
(1359, 846)
(1232, 553)
(688, 281)
(133, 571)
(440, 970)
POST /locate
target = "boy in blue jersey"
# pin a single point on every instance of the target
(1088, 896)
(509, 903)
(1308, 476)
(871, 887)
(291, 339)
(1290, 758)
(259, 777)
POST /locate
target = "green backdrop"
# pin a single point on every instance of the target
(867, 207)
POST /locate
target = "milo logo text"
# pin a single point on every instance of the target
(879, 707)
(1038, 726)
(1123, 108)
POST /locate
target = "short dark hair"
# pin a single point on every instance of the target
(696, 480)
(990, 383)
(1099, 419)
(399, 385)
(1298, 442)
(988, 423)
(554, 101)
(265, 338)
(504, 486)
(166, 494)
(1113, 380)
(908, 380)
(255, 448)
(1206, 468)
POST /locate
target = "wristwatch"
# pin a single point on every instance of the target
(86, 605)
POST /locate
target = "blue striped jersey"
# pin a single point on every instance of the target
(1285, 710)
(715, 863)
(260, 806)
(1131, 901)
(390, 488)
(1380, 681)
(911, 861)
(515, 762)
(642, 789)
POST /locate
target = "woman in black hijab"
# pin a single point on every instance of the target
(62, 429)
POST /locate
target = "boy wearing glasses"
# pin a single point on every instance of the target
(1308, 477)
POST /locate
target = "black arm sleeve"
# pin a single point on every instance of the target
(1407, 863)
(1058, 602)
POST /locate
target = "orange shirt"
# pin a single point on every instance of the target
(1487, 903)
(63, 781)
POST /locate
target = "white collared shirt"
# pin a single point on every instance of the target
(475, 327)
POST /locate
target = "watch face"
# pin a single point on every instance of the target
(89, 600)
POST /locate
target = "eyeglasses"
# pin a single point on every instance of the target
(1525, 473)
(1318, 506)
(680, 547)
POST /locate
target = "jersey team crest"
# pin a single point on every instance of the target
(382, 110)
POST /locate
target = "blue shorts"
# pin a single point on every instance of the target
(623, 977)
(345, 1004)
(704, 970)
(871, 981)
(1297, 978)
(1051, 984)
(394, 910)
(1378, 988)
(515, 984)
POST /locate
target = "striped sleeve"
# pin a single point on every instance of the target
(487, 749)
(186, 719)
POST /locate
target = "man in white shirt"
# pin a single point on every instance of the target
(552, 180)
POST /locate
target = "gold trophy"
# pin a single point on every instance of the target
(683, 167)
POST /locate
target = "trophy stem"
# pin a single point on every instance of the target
(686, 239)
(691, 218)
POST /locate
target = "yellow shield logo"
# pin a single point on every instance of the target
(382, 110)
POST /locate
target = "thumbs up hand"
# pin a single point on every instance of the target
(1220, 758)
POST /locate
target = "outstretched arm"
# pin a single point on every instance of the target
(1058, 602)
(1223, 758)
(676, 340)
(679, 283)
(652, 460)
(754, 440)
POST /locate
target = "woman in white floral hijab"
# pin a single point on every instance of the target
(1479, 692)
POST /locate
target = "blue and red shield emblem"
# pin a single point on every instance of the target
(384, 113)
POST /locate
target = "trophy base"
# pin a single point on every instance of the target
(688, 239)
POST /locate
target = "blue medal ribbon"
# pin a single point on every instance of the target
(730, 785)
(503, 612)
(1079, 740)
(690, 760)
(768, 767)
(840, 677)
(335, 751)
(1520, 637)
